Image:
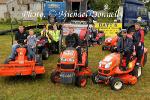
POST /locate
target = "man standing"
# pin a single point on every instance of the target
(20, 37)
(138, 39)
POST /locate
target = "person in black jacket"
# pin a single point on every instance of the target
(72, 40)
(20, 37)
(125, 46)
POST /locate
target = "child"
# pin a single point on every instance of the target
(31, 44)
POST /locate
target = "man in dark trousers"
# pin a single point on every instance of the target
(138, 39)
(72, 40)
(20, 37)
(125, 46)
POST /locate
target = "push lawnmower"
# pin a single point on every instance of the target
(111, 70)
(99, 39)
(43, 47)
(21, 66)
(68, 70)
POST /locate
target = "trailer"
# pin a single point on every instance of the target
(132, 11)
(68, 10)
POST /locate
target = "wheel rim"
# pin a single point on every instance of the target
(83, 82)
(139, 71)
(118, 85)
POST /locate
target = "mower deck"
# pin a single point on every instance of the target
(20, 69)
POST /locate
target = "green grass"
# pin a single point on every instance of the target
(26, 88)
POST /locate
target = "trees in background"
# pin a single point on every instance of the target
(112, 4)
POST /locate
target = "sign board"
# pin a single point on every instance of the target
(78, 28)
(110, 29)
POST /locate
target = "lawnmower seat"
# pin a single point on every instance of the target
(23, 47)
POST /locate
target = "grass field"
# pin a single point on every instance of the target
(26, 88)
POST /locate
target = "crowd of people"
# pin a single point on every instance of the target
(29, 39)
(128, 43)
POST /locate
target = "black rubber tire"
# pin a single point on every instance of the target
(53, 75)
(93, 77)
(135, 71)
(45, 54)
(79, 81)
(114, 81)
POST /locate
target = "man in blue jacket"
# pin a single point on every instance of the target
(125, 46)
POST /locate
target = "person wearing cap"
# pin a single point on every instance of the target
(72, 40)
(125, 46)
(138, 39)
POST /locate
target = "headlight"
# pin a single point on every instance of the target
(63, 59)
(108, 65)
(109, 40)
(71, 60)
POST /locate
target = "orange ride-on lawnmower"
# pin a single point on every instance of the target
(111, 70)
(68, 70)
(21, 66)
(111, 43)
(98, 39)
